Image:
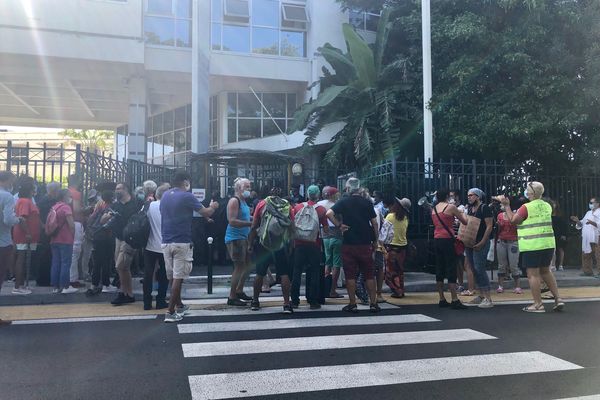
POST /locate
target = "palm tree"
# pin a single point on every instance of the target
(94, 140)
(362, 93)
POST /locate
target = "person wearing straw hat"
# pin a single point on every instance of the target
(536, 244)
(396, 249)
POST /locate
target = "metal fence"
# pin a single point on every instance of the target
(55, 164)
(413, 179)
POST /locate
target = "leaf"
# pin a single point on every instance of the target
(341, 63)
(362, 57)
(383, 32)
(303, 114)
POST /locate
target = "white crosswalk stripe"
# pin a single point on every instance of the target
(298, 380)
(274, 310)
(330, 342)
(304, 379)
(302, 323)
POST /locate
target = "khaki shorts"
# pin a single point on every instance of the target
(238, 251)
(178, 260)
(124, 255)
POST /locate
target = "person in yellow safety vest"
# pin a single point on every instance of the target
(536, 244)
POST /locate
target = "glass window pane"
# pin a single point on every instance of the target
(168, 121)
(357, 19)
(236, 38)
(248, 129)
(149, 148)
(188, 138)
(295, 13)
(249, 106)
(188, 115)
(217, 10)
(275, 104)
(216, 36)
(231, 131)
(160, 7)
(157, 124)
(265, 12)
(180, 141)
(270, 126)
(169, 160)
(236, 8)
(158, 146)
(169, 143)
(213, 108)
(159, 30)
(293, 44)
(180, 118)
(231, 104)
(291, 104)
(184, 9)
(180, 159)
(265, 41)
(372, 21)
(183, 33)
(214, 134)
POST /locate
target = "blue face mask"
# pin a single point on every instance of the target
(385, 210)
(246, 194)
(526, 193)
(591, 206)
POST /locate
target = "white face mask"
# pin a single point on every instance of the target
(246, 194)
(187, 187)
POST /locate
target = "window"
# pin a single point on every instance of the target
(121, 142)
(365, 20)
(294, 13)
(236, 9)
(214, 123)
(168, 22)
(259, 26)
(248, 119)
(169, 136)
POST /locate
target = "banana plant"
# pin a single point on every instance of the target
(362, 93)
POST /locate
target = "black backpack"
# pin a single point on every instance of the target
(137, 230)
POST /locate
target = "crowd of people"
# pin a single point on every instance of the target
(319, 236)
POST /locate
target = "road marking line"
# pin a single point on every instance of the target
(238, 347)
(276, 310)
(332, 377)
(302, 323)
(83, 319)
(592, 397)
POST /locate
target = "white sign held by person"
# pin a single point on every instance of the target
(200, 194)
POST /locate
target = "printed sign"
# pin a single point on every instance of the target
(200, 194)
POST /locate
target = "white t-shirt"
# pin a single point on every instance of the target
(327, 204)
(155, 238)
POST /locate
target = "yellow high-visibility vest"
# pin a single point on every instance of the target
(536, 233)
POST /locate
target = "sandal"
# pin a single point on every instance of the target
(535, 308)
(560, 306)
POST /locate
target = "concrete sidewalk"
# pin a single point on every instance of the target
(196, 288)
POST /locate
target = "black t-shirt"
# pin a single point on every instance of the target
(126, 211)
(356, 212)
(484, 211)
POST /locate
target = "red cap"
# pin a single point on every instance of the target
(329, 191)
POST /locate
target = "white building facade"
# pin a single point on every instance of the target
(170, 76)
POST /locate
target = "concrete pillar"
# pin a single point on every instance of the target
(136, 134)
(200, 75)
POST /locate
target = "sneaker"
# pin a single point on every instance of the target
(443, 303)
(561, 268)
(183, 309)
(500, 289)
(236, 303)
(374, 308)
(553, 268)
(4, 322)
(69, 290)
(295, 305)
(353, 308)
(476, 301)
(147, 306)
(460, 288)
(122, 299)
(255, 305)
(169, 318)
(287, 309)
(109, 289)
(466, 293)
(93, 291)
(21, 291)
(56, 291)
(243, 296)
(486, 303)
(315, 306)
(457, 305)
(518, 291)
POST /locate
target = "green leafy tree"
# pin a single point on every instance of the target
(514, 80)
(364, 94)
(94, 140)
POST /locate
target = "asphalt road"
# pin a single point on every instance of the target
(501, 353)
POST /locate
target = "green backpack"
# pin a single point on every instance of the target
(276, 227)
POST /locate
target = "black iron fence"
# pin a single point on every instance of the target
(55, 164)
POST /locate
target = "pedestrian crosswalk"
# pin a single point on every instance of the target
(296, 334)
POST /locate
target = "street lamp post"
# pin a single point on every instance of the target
(209, 272)
(427, 91)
